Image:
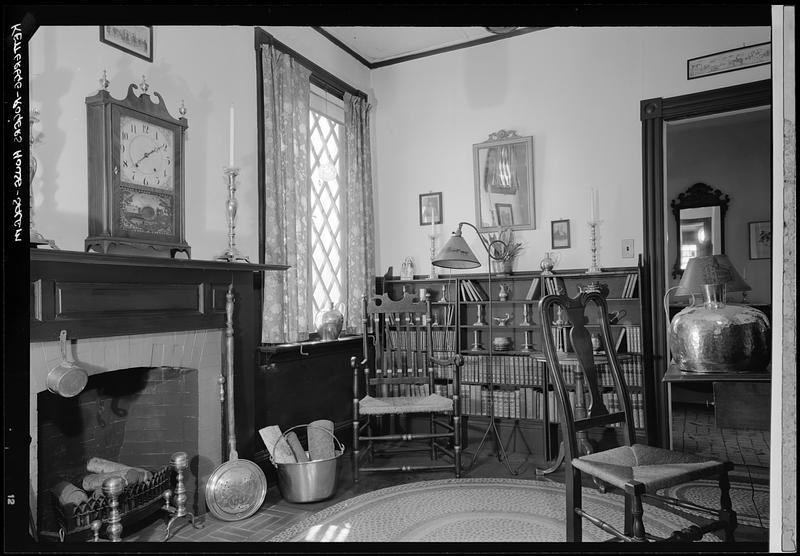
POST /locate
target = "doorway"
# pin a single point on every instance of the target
(656, 115)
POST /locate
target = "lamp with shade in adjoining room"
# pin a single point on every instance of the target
(716, 336)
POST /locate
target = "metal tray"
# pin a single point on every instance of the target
(236, 490)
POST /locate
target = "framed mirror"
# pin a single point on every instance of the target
(700, 220)
(504, 194)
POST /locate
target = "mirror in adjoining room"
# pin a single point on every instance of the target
(700, 223)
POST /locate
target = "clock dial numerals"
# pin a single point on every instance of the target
(146, 153)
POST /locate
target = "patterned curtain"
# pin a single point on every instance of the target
(286, 163)
(360, 219)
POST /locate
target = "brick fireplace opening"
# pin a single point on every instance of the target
(148, 396)
(137, 417)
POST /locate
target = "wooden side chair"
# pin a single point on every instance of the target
(395, 380)
(637, 470)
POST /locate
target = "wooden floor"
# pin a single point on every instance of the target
(276, 514)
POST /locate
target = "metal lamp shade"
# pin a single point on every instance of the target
(717, 337)
(456, 254)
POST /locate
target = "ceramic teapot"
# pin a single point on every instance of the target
(329, 323)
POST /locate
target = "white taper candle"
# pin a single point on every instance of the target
(230, 144)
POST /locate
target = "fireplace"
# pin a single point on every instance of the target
(148, 396)
(148, 332)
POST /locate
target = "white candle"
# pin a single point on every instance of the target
(592, 206)
(230, 143)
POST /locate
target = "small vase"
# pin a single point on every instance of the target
(329, 323)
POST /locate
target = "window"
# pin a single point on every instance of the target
(327, 201)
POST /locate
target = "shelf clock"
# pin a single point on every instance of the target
(136, 175)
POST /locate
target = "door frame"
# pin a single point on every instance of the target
(654, 112)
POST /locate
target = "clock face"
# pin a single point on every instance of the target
(146, 153)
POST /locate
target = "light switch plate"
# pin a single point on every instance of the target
(627, 248)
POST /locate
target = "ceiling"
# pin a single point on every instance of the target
(380, 46)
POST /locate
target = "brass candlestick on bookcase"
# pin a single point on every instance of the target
(232, 253)
(593, 224)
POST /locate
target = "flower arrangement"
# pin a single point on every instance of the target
(512, 249)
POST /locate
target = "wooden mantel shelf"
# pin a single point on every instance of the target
(52, 255)
(93, 295)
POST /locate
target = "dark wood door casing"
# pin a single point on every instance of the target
(653, 113)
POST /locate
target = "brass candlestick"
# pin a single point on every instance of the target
(594, 269)
(179, 462)
(232, 253)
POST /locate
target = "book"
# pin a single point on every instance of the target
(627, 285)
(632, 288)
(620, 339)
(534, 290)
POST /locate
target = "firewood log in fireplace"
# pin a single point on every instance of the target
(95, 480)
(100, 465)
(67, 493)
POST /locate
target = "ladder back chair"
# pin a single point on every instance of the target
(397, 376)
(637, 470)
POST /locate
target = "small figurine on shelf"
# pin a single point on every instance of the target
(407, 269)
(597, 343)
(502, 321)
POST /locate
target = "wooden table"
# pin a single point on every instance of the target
(741, 400)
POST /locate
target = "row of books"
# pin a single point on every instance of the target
(611, 401)
(522, 369)
(529, 403)
(629, 289)
(444, 340)
(631, 372)
(634, 337)
(506, 369)
(448, 316)
(471, 291)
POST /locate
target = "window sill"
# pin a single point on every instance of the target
(311, 347)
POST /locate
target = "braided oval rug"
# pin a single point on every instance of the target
(468, 510)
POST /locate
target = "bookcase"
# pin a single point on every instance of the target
(513, 383)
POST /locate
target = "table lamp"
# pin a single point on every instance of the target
(716, 336)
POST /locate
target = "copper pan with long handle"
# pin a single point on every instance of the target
(237, 488)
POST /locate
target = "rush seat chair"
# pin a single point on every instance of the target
(405, 399)
(636, 470)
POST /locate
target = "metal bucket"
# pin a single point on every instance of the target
(309, 481)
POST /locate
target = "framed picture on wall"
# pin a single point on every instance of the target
(729, 60)
(505, 213)
(761, 240)
(133, 39)
(430, 209)
(560, 234)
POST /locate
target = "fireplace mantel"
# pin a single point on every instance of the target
(93, 295)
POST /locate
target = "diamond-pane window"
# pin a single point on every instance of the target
(327, 209)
